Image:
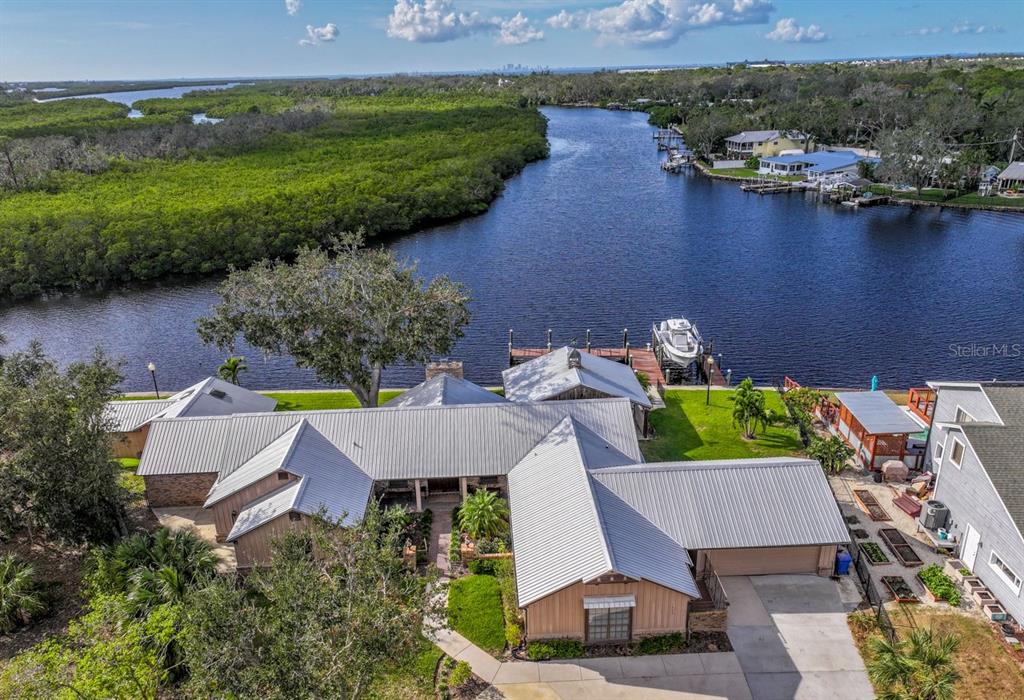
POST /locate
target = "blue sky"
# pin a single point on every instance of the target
(138, 39)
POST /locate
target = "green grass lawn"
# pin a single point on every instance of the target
(687, 429)
(413, 680)
(131, 481)
(322, 400)
(474, 611)
(750, 172)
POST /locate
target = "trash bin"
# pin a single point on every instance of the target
(877, 476)
(843, 560)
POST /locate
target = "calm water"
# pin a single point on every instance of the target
(599, 237)
(131, 96)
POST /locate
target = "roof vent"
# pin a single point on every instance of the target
(575, 360)
(218, 394)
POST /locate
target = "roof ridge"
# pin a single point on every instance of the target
(738, 463)
(609, 553)
(299, 429)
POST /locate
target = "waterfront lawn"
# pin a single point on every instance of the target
(978, 200)
(474, 611)
(322, 400)
(750, 172)
(687, 429)
(986, 669)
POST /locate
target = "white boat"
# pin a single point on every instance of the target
(678, 340)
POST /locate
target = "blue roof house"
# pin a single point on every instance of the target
(815, 166)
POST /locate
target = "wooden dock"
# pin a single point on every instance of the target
(641, 360)
(769, 187)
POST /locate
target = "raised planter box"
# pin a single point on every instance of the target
(995, 612)
(952, 568)
(875, 554)
(983, 597)
(899, 546)
(900, 589)
(972, 584)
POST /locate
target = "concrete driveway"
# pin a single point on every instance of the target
(790, 636)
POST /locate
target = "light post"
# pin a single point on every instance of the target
(152, 373)
(709, 372)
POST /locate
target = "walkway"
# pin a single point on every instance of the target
(791, 638)
(664, 677)
(200, 520)
(441, 531)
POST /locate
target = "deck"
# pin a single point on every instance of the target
(640, 360)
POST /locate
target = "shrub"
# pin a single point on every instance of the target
(20, 597)
(644, 379)
(941, 585)
(460, 675)
(484, 567)
(484, 515)
(662, 644)
(753, 163)
(513, 634)
(555, 649)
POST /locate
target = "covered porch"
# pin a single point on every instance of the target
(415, 493)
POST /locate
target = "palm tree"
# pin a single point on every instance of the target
(230, 369)
(484, 515)
(917, 668)
(19, 595)
(749, 409)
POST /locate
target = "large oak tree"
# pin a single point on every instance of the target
(346, 314)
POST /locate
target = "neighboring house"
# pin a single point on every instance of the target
(210, 397)
(815, 166)
(764, 143)
(988, 179)
(568, 373)
(875, 427)
(444, 390)
(1012, 178)
(976, 447)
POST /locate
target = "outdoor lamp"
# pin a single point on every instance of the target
(152, 372)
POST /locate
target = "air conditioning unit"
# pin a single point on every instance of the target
(934, 514)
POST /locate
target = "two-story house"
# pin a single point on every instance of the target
(976, 447)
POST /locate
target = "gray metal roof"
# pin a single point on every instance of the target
(877, 412)
(210, 397)
(1000, 448)
(771, 502)
(266, 508)
(391, 443)
(444, 390)
(551, 375)
(127, 416)
(1014, 171)
(567, 529)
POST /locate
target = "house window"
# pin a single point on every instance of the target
(957, 457)
(940, 447)
(963, 416)
(282, 476)
(1006, 573)
(234, 515)
(609, 624)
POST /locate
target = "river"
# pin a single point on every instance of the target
(598, 237)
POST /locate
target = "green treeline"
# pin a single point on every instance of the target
(385, 164)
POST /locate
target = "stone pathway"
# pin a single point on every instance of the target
(675, 676)
(440, 538)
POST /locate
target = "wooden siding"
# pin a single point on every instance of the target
(755, 561)
(658, 610)
(254, 547)
(130, 444)
(237, 501)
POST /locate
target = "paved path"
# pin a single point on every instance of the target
(790, 636)
(440, 537)
(665, 677)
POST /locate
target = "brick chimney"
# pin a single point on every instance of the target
(451, 367)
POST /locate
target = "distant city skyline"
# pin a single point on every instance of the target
(44, 40)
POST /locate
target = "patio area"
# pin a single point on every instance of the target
(201, 520)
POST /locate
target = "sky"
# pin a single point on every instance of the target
(165, 39)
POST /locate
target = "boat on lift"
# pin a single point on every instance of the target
(677, 341)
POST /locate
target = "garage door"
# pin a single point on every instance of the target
(769, 560)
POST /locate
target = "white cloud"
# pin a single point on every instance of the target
(660, 22)
(316, 35)
(923, 31)
(292, 6)
(518, 30)
(438, 20)
(966, 27)
(789, 31)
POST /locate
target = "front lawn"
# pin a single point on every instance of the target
(322, 400)
(687, 429)
(987, 670)
(413, 680)
(474, 611)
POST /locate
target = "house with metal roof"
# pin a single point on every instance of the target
(569, 373)
(975, 447)
(815, 166)
(444, 390)
(130, 420)
(1012, 178)
(876, 428)
(769, 142)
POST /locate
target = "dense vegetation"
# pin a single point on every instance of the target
(386, 164)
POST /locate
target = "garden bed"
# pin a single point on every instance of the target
(938, 585)
(900, 589)
(899, 546)
(874, 553)
(678, 643)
